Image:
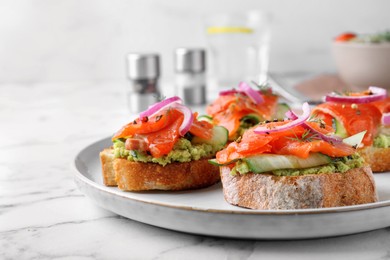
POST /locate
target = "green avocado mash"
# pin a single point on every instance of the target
(339, 164)
(183, 151)
(244, 125)
(382, 141)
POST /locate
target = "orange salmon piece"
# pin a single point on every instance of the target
(220, 104)
(383, 105)
(201, 129)
(228, 110)
(285, 145)
(355, 117)
(148, 125)
(230, 120)
(162, 142)
(294, 141)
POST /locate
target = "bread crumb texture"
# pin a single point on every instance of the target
(266, 191)
(136, 176)
(377, 158)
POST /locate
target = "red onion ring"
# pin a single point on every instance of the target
(188, 118)
(228, 92)
(386, 118)
(153, 109)
(298, 121)
(328, 138)
(251, 93)
(378, 94)
(291, 115)
(243, 87)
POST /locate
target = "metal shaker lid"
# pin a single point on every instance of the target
(190, 60)
(143, 66)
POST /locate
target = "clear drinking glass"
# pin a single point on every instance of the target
(239, 47)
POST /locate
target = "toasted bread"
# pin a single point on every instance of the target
(139, 176)
(267, 191)
(107, 160)
(377, 158)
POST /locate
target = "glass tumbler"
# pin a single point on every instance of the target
(239, 47)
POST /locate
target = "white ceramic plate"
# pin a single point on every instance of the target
(205, 211)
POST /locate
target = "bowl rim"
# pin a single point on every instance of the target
(383, 45)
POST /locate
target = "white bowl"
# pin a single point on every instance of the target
(362, 65)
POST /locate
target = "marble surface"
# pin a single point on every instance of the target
(44, 216)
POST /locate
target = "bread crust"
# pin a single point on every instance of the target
(267, 191)
(377, 158)
(138, 176)
(107, 159)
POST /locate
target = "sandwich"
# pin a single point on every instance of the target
(164, 148)
(242, 108)
(352, 112)
(296, 163)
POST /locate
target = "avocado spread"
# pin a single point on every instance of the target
(183, 151)
(339, 164)
(244, 125)
(382, 141)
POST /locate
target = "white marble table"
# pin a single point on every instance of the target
(44, 216)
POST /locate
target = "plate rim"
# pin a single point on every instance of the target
(78, 174)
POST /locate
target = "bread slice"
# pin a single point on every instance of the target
(107, 160)
(377, 158)
(138, 176)
(266, 191)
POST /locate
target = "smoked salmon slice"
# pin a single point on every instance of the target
(354, 117)
(297, 141)
(202, 129)
(148, 124)
(159, 133)
(383, 105)
(162, 142)
(228, 110)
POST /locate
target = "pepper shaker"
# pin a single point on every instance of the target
(190, 67)
(143, 71)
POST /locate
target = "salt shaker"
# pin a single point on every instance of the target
(143, 71)
(190, 78)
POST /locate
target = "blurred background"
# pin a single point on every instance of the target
(85, 40)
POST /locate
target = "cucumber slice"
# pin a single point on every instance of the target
(251, 119)
(218, 140)
(355, 140)
(269, 162)
(339, 128)
(205, 118)
(215, 162)
(281, 110)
